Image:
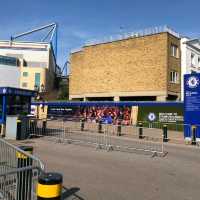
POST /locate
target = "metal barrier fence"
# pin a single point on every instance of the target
(19, 184)
(103, 136)
(19, 171)
(9, 159)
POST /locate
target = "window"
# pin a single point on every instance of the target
(37, 80)
(192, 60)
(174, 50)
(193, 72)
(25, 74)
(174, 77)
(25, 84)
(199, 61)
(5, 60)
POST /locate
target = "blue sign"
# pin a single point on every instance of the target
(16, 91)
(191, 103)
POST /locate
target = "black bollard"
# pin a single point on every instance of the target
(140, 131)
(44, 127)
(24, 178)
(19, 130)
(194, 136)
(31, 127)
(49, 186)
(100, 127)
(165, 137)
(119, 129)
(82, 124)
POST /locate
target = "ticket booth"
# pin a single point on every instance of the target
(15, 105)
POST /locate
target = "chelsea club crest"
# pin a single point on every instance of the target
(192, 82)
(151, 117)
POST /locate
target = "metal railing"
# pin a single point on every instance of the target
(19, 171)
(127, 35)
(9, 160)
(140, 33)
(103, 136)
(19, 184)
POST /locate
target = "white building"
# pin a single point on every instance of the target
(190, 59)
(9, 72)
(36, 65)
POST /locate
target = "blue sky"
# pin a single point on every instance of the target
(82, 20)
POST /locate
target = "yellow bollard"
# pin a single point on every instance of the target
(49, 186)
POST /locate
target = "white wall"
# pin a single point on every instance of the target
(9, 76)
(28, 55)
(186, 67)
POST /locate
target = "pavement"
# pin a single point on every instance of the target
(97, 174)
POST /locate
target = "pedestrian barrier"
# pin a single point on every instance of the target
(102, 136)
(148, 137)
(19, 171)
(19, 184)
(9, 155)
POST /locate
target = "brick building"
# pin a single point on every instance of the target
(145, 67)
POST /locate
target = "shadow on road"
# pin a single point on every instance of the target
(71, 192)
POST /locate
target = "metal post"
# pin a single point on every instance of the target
(82, 124)
(24, 178)
(165, 137)
(119, 129)
(44, 126)
(100, 127)
(140, 130)
(194, 131)
(19, 129)
(49, 186)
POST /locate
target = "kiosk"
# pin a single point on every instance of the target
(15, 105)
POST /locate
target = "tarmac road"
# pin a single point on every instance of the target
(101, 175)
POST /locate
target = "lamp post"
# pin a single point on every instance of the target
(42, 88)
(39, 91)
(36, 88)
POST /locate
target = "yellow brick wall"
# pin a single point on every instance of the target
(174, 64)
(76, 68)
(132, 65)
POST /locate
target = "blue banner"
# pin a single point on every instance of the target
(191, 104)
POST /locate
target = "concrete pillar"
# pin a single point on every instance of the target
(161, 98)
(134, 115)
(116, 98)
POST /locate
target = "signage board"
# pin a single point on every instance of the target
(191, 104)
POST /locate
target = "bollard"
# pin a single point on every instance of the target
(19, 129)
(49, 186)
(82, 125)
(194, 129)
(165, 138)
(44, 127)
(119, 129)
(140, 130)
(32, 127)
(100, 127)
(24, 178)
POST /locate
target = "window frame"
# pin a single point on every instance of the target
(174, 77)
(39, 78)
(192, 57)
(23, 74)
(174, 50)
(26, 84)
